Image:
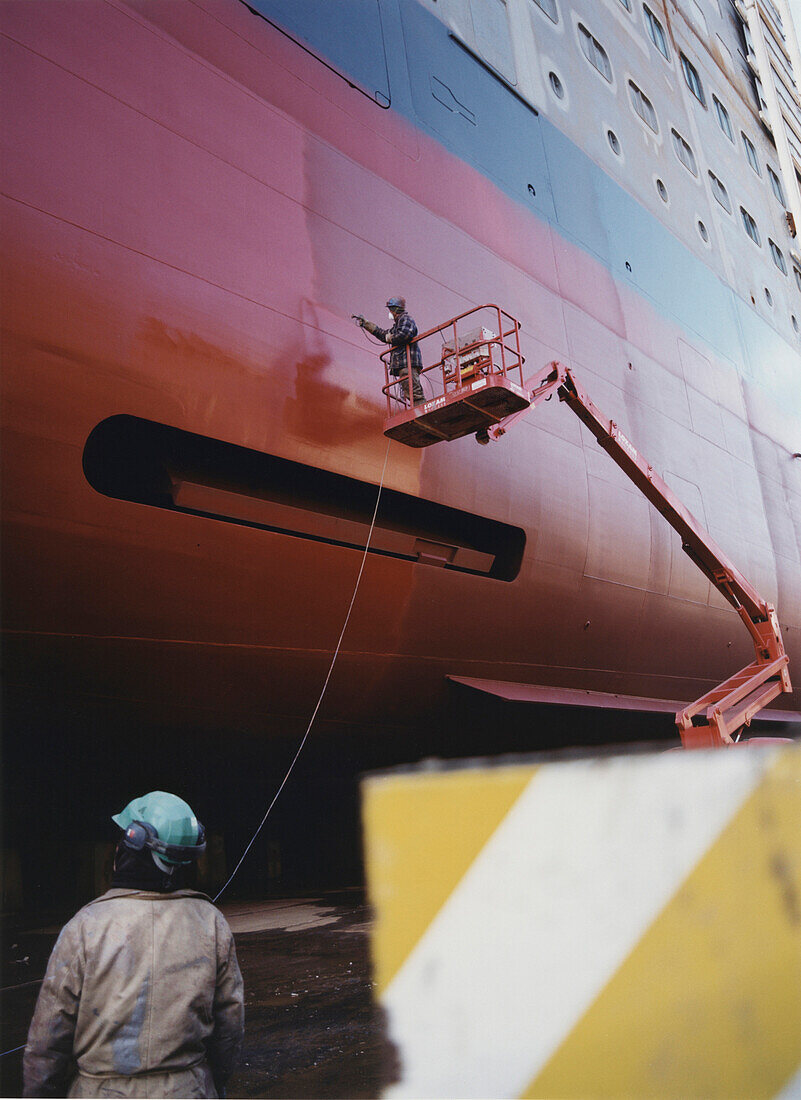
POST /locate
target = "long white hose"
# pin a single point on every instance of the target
(325, 685)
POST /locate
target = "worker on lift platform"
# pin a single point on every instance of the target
(400, 336)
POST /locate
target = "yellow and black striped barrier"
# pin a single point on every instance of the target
(626, 927)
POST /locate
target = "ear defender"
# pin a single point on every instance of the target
(140, 835)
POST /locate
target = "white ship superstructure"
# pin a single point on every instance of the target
(669, 98)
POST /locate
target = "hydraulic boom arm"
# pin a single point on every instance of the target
(714, 719)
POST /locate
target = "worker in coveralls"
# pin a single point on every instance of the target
(400, 336)
(143, 994)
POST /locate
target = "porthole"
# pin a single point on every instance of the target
(794, 319)
(614, 143)
(703, 231)
(556, 86)
(768, 297)
(662, 190)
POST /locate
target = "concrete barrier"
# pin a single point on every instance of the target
(625, 927)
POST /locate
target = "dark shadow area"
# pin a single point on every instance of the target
(312, 1027)
(67, 768)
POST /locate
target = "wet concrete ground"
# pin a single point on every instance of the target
(311, 1027)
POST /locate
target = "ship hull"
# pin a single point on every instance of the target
(193, 207)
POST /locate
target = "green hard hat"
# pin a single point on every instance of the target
(173, 820)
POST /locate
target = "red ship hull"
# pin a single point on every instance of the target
(193, 207)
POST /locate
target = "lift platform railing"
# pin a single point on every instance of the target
(483, 342)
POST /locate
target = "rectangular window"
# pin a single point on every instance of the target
(693, 80)
(778, 257)
(763, 103)
(776, 184)
(595, 53)
(750, 153)
(750, 226)
(549, 7)
(656, 31)
(626, 4)
(723, 118)
(720, 192)
(684, 152)
(643, 106)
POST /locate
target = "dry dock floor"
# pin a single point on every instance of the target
(311, 1027)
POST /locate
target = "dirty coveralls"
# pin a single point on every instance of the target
(400, 336)
(143, 991)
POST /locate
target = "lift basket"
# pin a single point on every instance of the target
(474, 373)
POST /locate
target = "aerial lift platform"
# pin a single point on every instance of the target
(475, 381)
(478, 395)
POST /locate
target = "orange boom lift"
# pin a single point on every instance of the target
(479, 394)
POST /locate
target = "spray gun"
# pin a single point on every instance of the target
(367, 326)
